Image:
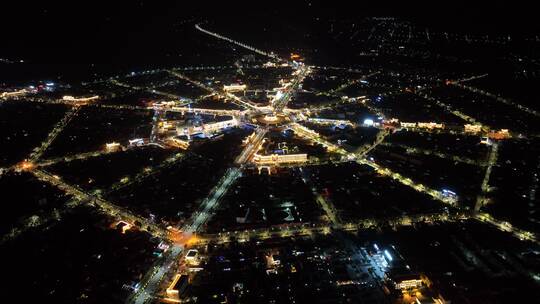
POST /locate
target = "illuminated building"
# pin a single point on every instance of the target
(14, 93)
(430, 125)
(279, 159)
(234, 88)
(485, 140)
(295, 57)
(368, 122)
(82, 99)
(422, 125)
(412, 283)
(25, 166)
(124, 226)
(206, 129)
(177, 286)
(137, 142)
(111, 147)
(165, 126)
(469, 128)
(217, 126)
(303, 130)
(326, 121)
(165, 104)
(407, 124)
(192, 257)
(501, 134)
(177, 142)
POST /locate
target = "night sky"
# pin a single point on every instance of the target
(112, 31)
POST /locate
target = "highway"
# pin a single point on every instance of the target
(468, 78)
(216, 35)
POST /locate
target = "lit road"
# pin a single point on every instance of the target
(147, 172)
(150, 90)
(330, 122)
(154, 278)
(327, 206)
(237, 100)
(449, 108)
(284, 231)
(200, 217)
(36, 154)
(364, 150)
(109, 208)
(360, 158)
(69, 158)
(280, 103)
(455, 158)
(498, 98)
(507, 227)
(469, 78)
(158, 115)
(351, 83)
(152, 281)
(252, 146)
(305, 132)
(481, 199)
(438, 195)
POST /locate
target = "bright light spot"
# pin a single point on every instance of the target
(368, 122)
(387, 254)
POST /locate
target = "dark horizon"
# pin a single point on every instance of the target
(97, 32)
